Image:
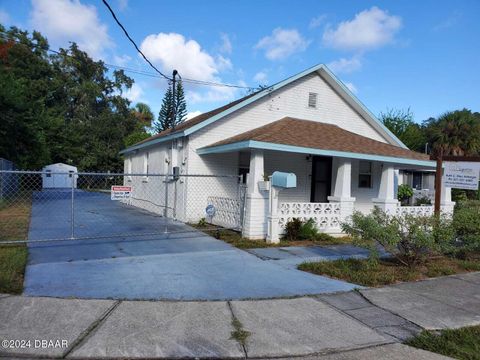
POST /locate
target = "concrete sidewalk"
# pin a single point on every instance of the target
(353, 325)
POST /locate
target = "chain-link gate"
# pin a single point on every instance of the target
(52, 206)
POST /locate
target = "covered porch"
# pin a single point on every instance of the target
(338, 172)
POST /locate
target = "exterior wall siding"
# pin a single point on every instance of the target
(149, 193)
(291, 100)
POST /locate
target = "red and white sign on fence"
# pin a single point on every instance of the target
(120, 192)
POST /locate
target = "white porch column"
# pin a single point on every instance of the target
(343, 186)
(386, 200)
(256, 201)
(446, 203)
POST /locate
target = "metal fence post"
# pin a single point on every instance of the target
(72, 215)
(175, 200)
(165, 212)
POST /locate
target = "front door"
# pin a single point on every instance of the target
(321, 178)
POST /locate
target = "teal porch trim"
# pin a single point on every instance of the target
(263, 93)
(152, 142)
(252, 144)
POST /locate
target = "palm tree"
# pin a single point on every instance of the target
(144, 114)
(455, 133)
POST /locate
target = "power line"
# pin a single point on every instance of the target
(132, 41)
(193, 81)
(5, 36)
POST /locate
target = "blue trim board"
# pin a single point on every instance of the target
(260, 95)
(252, 144)
(152, 142)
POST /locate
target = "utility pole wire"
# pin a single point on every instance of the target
(193, 81)
(132, 41)
(5, 36)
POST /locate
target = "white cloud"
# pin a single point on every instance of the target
(5, 18)
(121, 60)
(449, 22)
(134, 94)
(223, 63)
(62, 21)
(173, 51)
(261, 77)
(369, 29)
(351, 87)
(345, 65)
(317, 21)
(193, 114)
(122, 4)
(226, 46)
(282, 43)
(211, 95)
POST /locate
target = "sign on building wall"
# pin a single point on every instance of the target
(461, 175)
(120, 192)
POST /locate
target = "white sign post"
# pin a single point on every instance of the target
(120, 192)
(461, 175)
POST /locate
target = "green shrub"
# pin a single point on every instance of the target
(411, 239)
(308, 230)
(404, 193)
(424, 200)
(297, 229)
(466, 222)
(202, 222)
(292, 229)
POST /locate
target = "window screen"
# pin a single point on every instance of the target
(365, 174)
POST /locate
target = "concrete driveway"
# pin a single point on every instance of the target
(183, 265)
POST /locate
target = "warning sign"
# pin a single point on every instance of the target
(120, 192)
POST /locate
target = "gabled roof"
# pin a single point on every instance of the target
(314, 136)
(195, 124)
(196, 120)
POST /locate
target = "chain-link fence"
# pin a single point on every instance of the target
(46, 206)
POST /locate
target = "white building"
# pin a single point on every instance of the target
(310, 124)
(59, 175)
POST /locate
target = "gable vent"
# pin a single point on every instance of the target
(312, 100)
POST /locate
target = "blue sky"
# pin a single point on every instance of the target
(393, 54)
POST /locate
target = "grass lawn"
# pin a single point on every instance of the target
(389, 271)
(234, 238)
(14, 221)
(463, 344)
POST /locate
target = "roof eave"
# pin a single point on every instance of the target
(253, 144)
(379, 126)
(252, 99)
(152, 142)
(360, 106)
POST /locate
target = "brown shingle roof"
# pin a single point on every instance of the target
(317, 135)
(197, 119)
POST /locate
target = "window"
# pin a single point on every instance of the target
(365, 174)
(70, 173)
(417, 181)
(49, 173)
(243, 172)
(312, 100)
